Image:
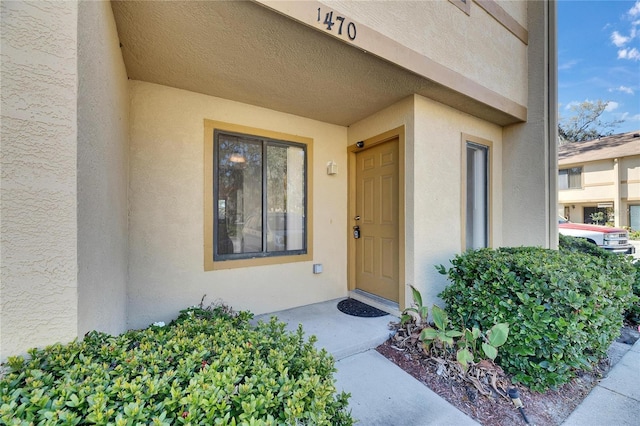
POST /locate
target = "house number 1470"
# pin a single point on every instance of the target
(339, 23)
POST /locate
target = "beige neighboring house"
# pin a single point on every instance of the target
(601, 175)
(154, 152)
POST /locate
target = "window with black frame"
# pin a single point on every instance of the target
(260, 197)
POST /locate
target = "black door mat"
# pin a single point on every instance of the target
(358, 309)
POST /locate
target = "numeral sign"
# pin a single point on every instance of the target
(338, 23)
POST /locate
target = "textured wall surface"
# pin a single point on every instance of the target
(433, 182)
(103, 129)
(477, 46)
(38, 289)
(166, 268)
(529, 150)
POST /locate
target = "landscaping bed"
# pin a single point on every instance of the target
(209, 366)
(537, 321)
(547, 408)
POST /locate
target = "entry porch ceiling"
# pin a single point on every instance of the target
(244, 52)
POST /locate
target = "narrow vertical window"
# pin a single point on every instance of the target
(477, 196)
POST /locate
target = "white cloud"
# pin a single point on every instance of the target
(618, 39)
(627, 117)
(572, 104)
(631, 54)
(623, 89)
(567, 65)
(611, 106)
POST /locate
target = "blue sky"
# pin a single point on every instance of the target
(599, 57)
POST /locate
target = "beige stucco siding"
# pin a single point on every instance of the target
(38, 289)
(166, 210)
(630, 176)
(614, 181)
(433, 137)
(598, 183)
(438, 183)
(476, 46)
(103, 129)
(529, 157)
(517, 9)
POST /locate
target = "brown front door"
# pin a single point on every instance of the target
(377, 205)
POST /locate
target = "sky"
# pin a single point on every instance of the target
(599, 58)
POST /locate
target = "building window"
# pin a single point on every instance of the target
(476, 193)
(258, 193)
(570, 178)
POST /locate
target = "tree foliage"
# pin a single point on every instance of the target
(586, 122)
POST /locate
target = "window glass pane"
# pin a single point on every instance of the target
(563, 179)
(285, 198)
(570, 178)
(260, 191)
(477, 197)
(575, 177)
(239, 184)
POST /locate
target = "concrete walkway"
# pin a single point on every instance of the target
(616, 399)
(383, 394)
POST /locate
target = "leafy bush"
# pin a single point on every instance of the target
(442, 334)
(633, 313)
(580, 245)
(207, 367)
(563, 308)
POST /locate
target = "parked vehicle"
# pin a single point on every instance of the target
(615, 240)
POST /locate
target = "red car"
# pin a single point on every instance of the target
(615, 240)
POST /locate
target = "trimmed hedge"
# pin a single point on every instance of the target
(564, 308)
(206, 367)
(580, 245)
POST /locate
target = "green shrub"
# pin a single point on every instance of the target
(206, 367)
(580, 245)
(633, 313)
(563, 308)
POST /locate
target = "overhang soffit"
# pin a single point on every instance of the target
(245, 52)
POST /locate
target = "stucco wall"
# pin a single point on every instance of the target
(166, 210)
(438, 179)
(630, 172)
(38, 289)
(529, 164)
(599, 179)
(433, 137)
(486, 50)
(103, 128)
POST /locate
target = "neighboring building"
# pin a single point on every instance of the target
(601, 175)
(155, 152)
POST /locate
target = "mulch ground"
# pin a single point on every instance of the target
(549, 408)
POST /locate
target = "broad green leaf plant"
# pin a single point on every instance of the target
(443, 334)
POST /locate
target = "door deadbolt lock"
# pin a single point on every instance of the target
(356, 218)
(356, 232)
